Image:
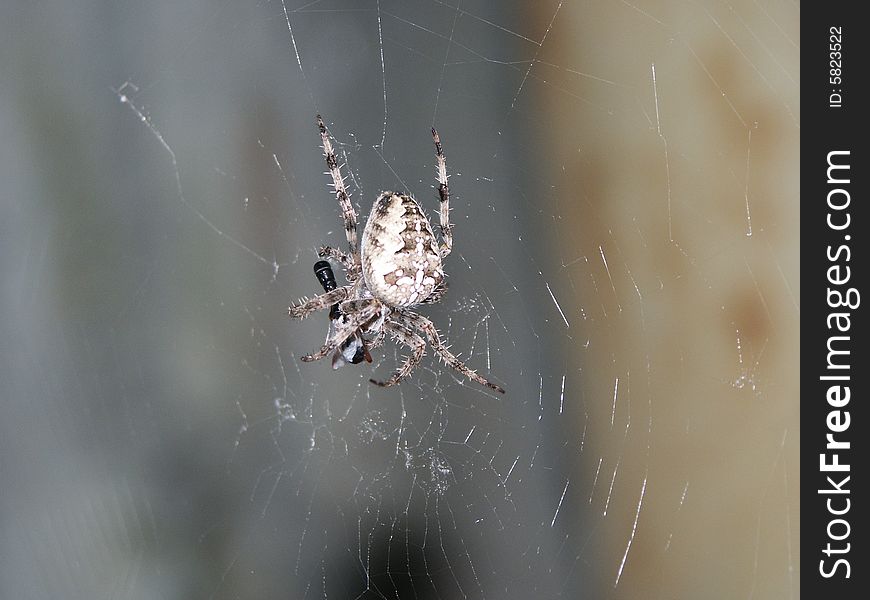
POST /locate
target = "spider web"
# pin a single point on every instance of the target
(623, 180)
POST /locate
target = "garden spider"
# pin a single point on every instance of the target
(397, 268)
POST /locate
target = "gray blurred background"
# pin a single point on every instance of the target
(624, 180)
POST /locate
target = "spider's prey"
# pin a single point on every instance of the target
(397, 267)
(353, 350)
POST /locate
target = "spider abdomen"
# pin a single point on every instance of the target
(401, 260)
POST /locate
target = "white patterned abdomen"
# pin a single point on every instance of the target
(400, 257)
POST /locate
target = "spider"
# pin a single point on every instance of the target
(397, 268)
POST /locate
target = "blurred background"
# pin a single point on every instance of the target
(625, 198)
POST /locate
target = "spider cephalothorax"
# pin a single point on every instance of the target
(398, 267)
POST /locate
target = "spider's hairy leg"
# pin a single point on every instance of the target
(344, 331)
(303, 309)
(346, 261)
(347, 211)
(413, 341)
(444, 196)
(426, 326)
(378, 340)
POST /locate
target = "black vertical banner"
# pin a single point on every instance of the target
(834, 337)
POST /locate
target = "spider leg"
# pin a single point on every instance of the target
(343, 331)
(337, 255)
(413, 341)
(444, 196)
(426, 326)
(378, 340)
(347, 211)
(305, 308)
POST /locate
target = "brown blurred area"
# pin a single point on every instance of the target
(680, 141)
